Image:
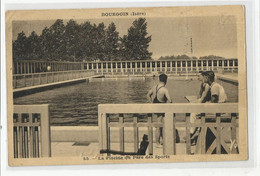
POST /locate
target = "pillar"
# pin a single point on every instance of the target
(181, 66)
(102, 69)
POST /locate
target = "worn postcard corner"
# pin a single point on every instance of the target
(129, 85)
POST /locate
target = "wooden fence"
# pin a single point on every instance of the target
(214, 117)
(32, 79)
(31, 131)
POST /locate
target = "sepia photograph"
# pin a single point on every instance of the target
(132, 85)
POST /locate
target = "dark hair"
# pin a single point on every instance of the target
(163, 78)
(203, 73)
(211, 75)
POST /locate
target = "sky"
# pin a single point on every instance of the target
(212, 35)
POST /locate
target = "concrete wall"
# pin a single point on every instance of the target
(90, 134)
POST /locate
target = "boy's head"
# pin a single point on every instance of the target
(202, 76)
(210, 77)
(163, 78)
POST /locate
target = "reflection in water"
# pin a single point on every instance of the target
(78, 104)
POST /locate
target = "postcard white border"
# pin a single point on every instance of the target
(252, 39)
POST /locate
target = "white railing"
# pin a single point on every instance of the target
(31, 131)
(32, 79)
(179, 66)
(214, 117)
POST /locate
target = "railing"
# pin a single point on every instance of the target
(36, 66)
(175, 66)
(168, 70)
(215, 117)
(31, 131)
(32, 79)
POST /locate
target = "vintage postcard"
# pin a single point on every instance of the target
(130, 85)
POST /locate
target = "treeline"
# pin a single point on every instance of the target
(210, 57)
(84, 42)
(184, 56)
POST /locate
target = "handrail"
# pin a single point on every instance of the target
(29, 66)
(31, 131)
(169, 108)
(56, 72)
(42, 61)
(217, 112)
(32, 79)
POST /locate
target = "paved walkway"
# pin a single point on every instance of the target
(68, 149)
(61, 148)
(232, 77)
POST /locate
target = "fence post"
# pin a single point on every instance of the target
(136, 136)
(168, 135)
(15, 83)
(150, 135)
(203, 134)
(33, 79)
(40, 79)
(188, 141)
(45, 132)
(233, 132)
(121, 133)
(24, 81)
(104, 136)
(218, 137)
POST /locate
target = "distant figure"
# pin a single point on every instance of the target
(159, 94)
(218, 94)
(48, 68)
(153, 76)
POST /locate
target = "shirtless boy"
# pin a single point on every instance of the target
(159, 94)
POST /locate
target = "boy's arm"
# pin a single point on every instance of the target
(214, 94)
(204, 93)
(149, 95)
(214, 98)
(167, 95)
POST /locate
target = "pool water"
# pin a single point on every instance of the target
(78, 104)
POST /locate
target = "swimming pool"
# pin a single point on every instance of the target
(78, 104)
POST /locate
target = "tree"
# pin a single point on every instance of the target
(111, 43)
(20, 50)
(86, 42)
(72, 41)
(99, 39)
(135, 44)
(211, 57)
(46, 43)
(183, 57)
(52, 41)
(167, 57)
(34, 48)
